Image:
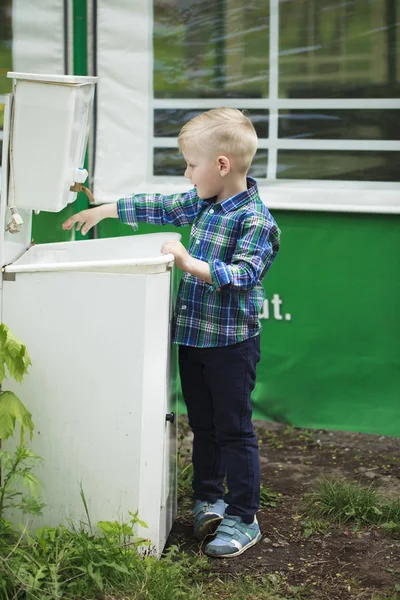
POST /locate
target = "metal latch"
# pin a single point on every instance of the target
(8, 276)
(170, 417)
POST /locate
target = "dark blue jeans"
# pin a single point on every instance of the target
(217, 385)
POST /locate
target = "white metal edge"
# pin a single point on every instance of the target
(165, 259)
(45, 78)
(281, 103)
(4, 180)
(273, 89)
(275, 143)
(152, 447)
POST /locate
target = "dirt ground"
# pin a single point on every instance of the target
(343, 562)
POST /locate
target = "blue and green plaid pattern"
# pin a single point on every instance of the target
(238, 238)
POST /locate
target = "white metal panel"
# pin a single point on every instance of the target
(124, 68)
(85, 336)
(50, 128)
(155, 457)
(98, 388)
(38, 36)
(139, 253)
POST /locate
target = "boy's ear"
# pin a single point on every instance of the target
(224, 165)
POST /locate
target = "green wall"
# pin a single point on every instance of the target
(335, 363)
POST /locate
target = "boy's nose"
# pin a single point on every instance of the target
(186, 174)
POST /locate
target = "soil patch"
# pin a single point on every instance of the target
(337, 563)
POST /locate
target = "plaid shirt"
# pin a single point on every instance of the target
(238, 238)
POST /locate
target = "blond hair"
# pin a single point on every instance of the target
(221, 131)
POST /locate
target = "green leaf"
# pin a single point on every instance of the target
(11, 411)
(14, 354)
(96, 576)
(2, 369)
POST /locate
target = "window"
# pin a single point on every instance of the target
(319, 78)
(5, 58)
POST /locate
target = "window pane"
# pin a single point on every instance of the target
(168, 122)
(346, 165)
(211, 48)
(340, 124)
(259, 165)
(5, 56)
(5, 46)
(332, 49)
(169, 161)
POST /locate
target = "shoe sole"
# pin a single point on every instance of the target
(233, 554)
(208, 528)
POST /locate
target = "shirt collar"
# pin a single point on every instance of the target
(236, 201)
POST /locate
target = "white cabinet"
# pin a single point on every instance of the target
(99, 388)
(96, 318)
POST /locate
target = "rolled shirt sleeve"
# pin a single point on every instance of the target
(176, 209)
(254, 254)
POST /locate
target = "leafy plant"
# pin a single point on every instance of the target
(269, 498)
(314, 527)
(14, 357)
(16, 467)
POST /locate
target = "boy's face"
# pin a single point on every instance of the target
(203, 172)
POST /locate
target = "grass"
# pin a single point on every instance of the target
(79, 563)
(340, 501)
(246, 587)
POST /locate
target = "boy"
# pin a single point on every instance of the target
(233, 242)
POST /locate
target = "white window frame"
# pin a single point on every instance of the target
(320, 195)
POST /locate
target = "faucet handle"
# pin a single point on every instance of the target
(16, 222)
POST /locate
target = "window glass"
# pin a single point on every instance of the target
(168, 122)
(336, 49)
(376, 124)
(169, 161)
(211, 48)
(344, 165)
(5, 52)
(5, 58)
(343, 52)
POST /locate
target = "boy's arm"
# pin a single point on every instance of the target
(176, 209)
(186, 262)
(255, 252)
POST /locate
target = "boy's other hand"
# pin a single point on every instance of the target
(182, 256)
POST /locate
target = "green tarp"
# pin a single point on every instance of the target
(331, 342)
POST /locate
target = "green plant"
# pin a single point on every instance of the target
(16, 467)
(185, 469)
(75, 564)
(311, 527)
(268, 498)
(341, 501)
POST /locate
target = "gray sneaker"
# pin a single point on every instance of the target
(233, 537)
(207, 516)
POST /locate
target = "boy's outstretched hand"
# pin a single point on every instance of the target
(86, 219)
